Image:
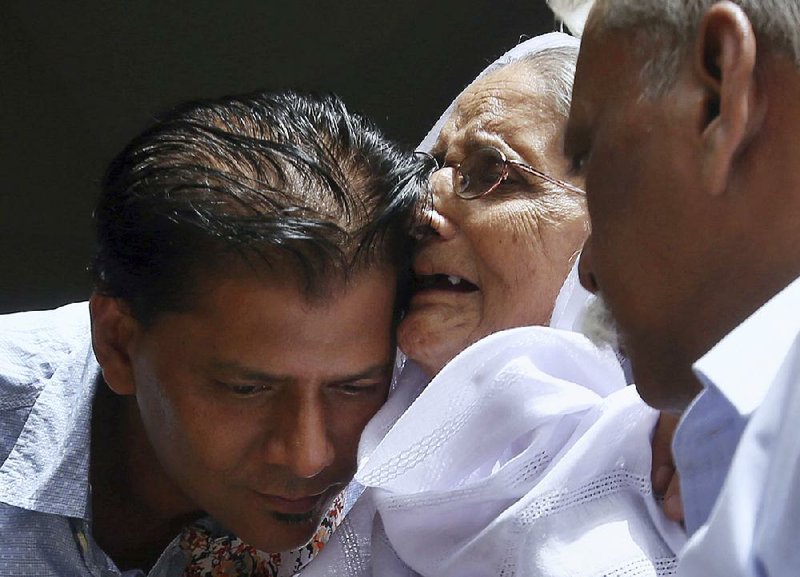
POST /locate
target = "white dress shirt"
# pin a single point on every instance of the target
(745, 424)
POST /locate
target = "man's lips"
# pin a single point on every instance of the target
(293, 505)
(443, 282)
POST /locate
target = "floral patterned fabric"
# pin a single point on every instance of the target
(229, 556)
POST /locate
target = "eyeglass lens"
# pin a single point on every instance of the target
(480, 172)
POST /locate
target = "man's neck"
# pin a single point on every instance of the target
(136, 510)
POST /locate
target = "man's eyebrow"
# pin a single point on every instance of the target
(378, 371)
(236, 370)
(239, 371)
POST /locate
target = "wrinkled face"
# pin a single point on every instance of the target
(649, 253)
(255, 400)
(498, 261)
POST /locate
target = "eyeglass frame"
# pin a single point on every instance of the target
(503, 176)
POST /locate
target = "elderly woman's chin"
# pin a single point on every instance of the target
(432, 337)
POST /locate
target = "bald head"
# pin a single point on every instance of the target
(673, 26)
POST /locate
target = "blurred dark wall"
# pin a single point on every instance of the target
(78, 79)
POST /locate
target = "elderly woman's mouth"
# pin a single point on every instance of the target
(443, 282)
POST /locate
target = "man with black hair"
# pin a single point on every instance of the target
(248, 267)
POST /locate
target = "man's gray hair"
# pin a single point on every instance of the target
(675, 22)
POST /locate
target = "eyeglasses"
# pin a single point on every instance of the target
(482, 171)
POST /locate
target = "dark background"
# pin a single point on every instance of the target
(80, 78)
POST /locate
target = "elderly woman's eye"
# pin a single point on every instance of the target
(487, 179)
(510, 181)
(515, 177)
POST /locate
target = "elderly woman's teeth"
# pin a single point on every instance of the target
(449, 282)
(459, 284)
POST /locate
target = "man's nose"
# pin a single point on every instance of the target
(586, 270)
(302, 444)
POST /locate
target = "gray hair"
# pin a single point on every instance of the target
(675, 23)
(555, 67)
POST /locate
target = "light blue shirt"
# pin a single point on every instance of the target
(48, 376)
(737, 449)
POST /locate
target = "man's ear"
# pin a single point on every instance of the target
(724, 62)
(113, 330)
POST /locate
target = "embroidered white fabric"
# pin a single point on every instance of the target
(526, 456)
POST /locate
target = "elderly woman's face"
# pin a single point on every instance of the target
(498, 261)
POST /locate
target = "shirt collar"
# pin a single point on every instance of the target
(47, 469)
(743, 364)
(736, 375)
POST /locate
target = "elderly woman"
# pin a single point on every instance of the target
(525, 454)
(510, 445)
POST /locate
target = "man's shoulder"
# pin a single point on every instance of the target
(47, 381)
(756, 516)
(37, 544)
(33, 345)
(538, 354)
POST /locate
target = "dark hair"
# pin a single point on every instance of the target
(293, 179)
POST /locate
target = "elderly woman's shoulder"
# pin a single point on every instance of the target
(540, 354)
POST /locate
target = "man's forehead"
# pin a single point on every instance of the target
(607, 74)
(605, 56)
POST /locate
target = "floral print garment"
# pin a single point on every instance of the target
(229, 556)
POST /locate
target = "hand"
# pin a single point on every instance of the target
(664, 477)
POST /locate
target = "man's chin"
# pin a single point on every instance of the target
(662, 397)
(271, 531)
(287, 535)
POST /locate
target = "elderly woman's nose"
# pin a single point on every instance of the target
(441, 185)
(432, 224)
(433, 219)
